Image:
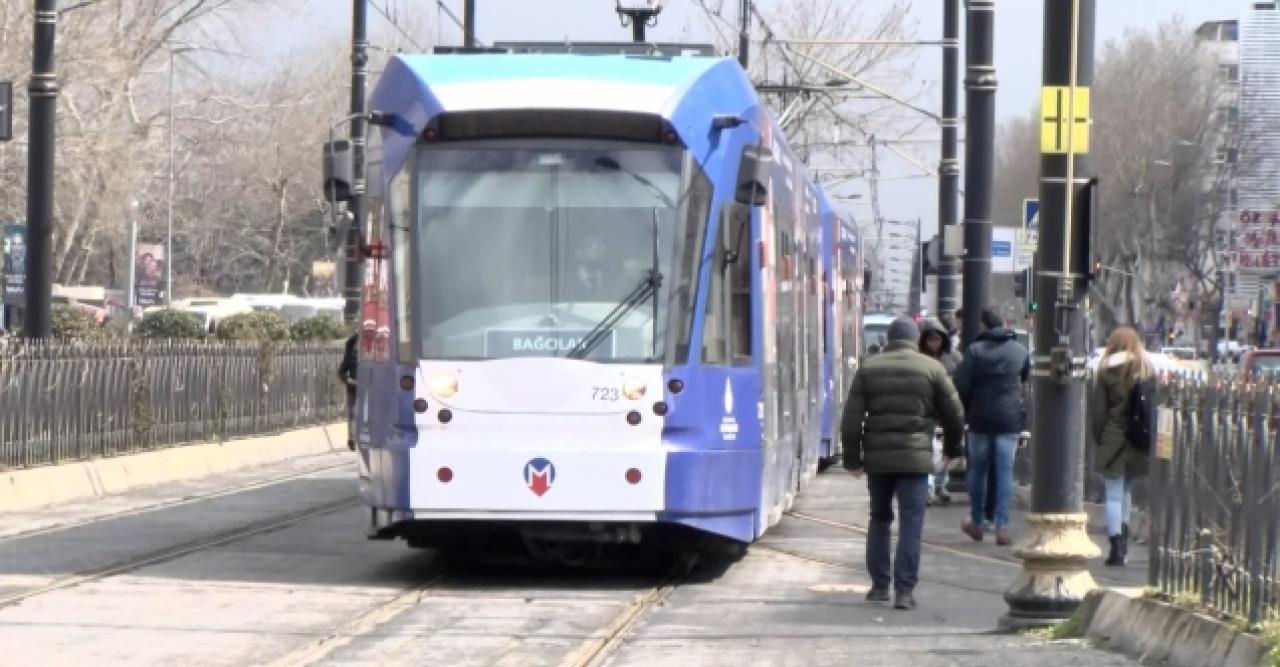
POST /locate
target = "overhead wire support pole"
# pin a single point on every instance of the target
(469, 23)
(949, 165)
(980, 112)
(41, 134)
(744, 32)
(1056, 547)
(353, 279)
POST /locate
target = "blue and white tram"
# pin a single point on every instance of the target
(593, 308)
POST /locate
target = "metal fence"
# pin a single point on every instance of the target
(68, 401)
(1213, 498)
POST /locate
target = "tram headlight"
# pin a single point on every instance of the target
(443, 385)
(634, 388)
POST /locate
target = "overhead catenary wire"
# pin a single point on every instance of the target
(386, 14)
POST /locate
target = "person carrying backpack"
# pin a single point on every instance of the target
(1121, 418)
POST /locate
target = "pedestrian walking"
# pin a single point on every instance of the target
(347, 372)
(935, 342)
(896, 401)
(990, 381)
(1123, 369)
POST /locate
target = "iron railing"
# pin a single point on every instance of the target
(65, 401)
(1214, 506)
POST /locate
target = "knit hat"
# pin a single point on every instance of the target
(904, 328)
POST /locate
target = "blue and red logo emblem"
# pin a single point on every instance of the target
(539, 475)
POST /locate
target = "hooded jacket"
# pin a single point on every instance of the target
(990, 381)
(898, 399)
(948, 357)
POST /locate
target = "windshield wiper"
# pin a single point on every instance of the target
(647, 288)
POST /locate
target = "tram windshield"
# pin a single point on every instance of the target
(525, 246)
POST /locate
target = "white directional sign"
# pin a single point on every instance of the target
(1029, 235)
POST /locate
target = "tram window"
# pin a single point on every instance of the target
(737, 240)
(715, 344)
(401, 215)
(694, 221)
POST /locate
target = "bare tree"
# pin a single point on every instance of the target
(1153, 143)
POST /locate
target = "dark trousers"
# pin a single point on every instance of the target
(912, 492)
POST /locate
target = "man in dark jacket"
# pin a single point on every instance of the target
(897, 400)
(347, 373)
(990, 381)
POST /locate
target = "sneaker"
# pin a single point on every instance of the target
(988, 526)
(1002, 537)
(878, 594)
(904, 601)
(971, 530)
(943, 496)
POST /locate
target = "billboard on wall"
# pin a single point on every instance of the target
(149, 286)
(15, 264)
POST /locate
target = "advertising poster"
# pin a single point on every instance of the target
(148, 275)
(324, 279)
(15, 264)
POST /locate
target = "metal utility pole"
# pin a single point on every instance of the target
(469, 23)
(917, 274)
(949, 167)
(43, 91)
(353, 280)
(1054, 579)
(744, 32)
(979, 157)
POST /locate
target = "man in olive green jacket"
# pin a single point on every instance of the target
(897, 400)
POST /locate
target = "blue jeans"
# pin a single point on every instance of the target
(912, 492)
(1118, 502)
(982, 447)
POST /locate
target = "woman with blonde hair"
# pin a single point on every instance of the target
(1124, 364)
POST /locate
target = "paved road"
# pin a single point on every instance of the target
(279, 573)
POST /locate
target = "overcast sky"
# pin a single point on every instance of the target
(1019, 29)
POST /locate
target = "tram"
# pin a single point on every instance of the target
(603, 301)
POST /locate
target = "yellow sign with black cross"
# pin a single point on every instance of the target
(1064, 120)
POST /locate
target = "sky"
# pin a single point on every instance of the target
(1019, 30)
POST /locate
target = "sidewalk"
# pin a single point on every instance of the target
(828, 498)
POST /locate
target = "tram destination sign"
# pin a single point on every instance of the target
(543, 343)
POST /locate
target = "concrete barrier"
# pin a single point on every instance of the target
(22, 490)
(1158, 633)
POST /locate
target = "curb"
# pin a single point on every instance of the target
(1155, 632)
(33, 488)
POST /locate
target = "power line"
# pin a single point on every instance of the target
(386, 15)
(454, 17)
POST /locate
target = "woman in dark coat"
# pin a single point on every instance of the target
(1123, 364)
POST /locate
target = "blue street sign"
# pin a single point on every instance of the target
(1001, 249)
(1031, 213)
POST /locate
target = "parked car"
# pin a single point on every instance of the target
(1260, 364)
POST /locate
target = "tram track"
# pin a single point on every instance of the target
(170, 504)
(605, 641)
(178, 551)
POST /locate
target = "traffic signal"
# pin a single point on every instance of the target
(1032, 307)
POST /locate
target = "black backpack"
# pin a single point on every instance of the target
(1139, 428)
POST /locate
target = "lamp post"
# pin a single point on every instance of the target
(168, 244)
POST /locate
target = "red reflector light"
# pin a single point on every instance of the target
(633, 475)
(445, 474)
